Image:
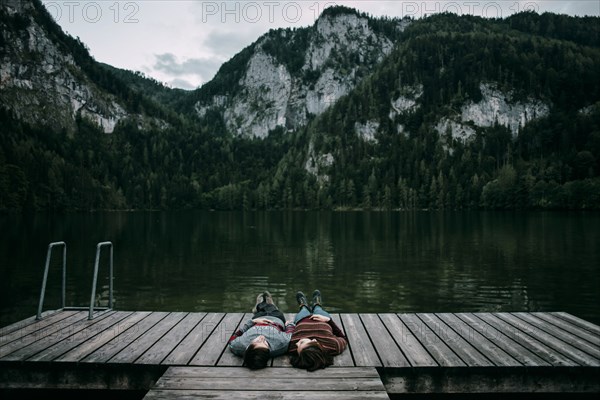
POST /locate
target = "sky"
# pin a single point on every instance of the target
(182, 43)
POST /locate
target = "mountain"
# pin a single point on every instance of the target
(444, 112)
(467, 112)
(289, 75)
(49, 76)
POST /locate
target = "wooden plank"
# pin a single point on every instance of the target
(50, 381)
(428, 339)
(138, 347)
(344, 359)
(593, 328)
(495, 354)
(263, 395)
(35, 331)
(461, 347)
(281, 383)
(215, 345)
(500, 383)
(163, 347)
(412, 349)
(228, 359)
(558, 345)
(385, 345)
(271, 373)
(57, 335)
(282, 361)
(188, 347)
(535, 346)
(89, 333)
(500, 342)
(98, 341)
(571, 328)
(363, 351)
(271, 381)
(558, 333)
(16, 326)
(114, 346)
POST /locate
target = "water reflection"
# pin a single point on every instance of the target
(362, 262)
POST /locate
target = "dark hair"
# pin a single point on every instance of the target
(256, 357)
(311, 358)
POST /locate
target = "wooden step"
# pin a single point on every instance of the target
(269, 383)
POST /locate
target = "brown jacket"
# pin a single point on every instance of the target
(328, 334)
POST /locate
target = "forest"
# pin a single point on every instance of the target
(194, 163)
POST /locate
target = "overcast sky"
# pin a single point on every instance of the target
(182, 43)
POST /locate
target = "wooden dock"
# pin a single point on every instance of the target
(344, 383)
(184, 353)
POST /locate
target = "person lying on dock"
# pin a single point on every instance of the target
(263, 337)
(317, 338)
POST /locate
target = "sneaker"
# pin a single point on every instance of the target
(268, 297)
(259, 299)
(301, 299)
(316, 297)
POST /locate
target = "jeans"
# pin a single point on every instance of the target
(268, 310)
(305, 312)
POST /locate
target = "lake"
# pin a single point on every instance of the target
(361, 261)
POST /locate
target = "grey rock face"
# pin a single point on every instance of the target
(271, 96)
(39, 81)
(495, 106)
(499, 107)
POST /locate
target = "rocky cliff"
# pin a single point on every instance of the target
(443, 112)
(336, 53)
(42, 78)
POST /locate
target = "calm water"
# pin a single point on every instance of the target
(362, 262)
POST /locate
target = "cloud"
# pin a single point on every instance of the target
(582, 8)
(168, 62)
(575, 7)
(181, 84)
(217, 47)
(188, 49)
(198, 70)
(227, 44)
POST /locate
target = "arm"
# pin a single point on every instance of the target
(336, 329)
(236, 335)
(342, 343)
(237, 346)
(235, 340)
(290, 327)
(247, 325)
(262, 321)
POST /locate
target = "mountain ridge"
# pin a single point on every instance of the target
(443, 91)
(40, 58)
(294, 82)
(446, 112)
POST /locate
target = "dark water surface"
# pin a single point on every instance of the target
(361, 261)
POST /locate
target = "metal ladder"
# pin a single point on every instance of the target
(99, 247)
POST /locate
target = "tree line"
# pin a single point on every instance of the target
(552, 163)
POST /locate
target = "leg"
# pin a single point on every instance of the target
(268, 297)
(269, 310)
(278, 314)
(319, 311)
(259, 311)
(264, 302)
(266, 307)
(259, 299)
(316, 297)
(303, 313)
